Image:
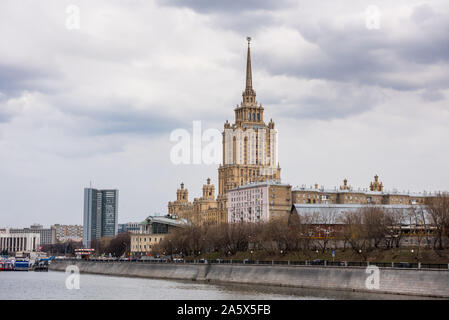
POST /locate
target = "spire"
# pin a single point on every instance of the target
(249, 76)
(249, 95)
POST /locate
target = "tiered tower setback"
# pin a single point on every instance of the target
(249, 145)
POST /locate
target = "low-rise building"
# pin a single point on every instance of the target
(132, 227)
(152, 231)
(345, 194)
(324, 221)
(47, 235)
(19, 242)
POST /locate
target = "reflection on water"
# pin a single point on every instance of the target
(51, 285)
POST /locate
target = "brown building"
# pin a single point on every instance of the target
(249, 155)
(152, 231)
(203, 210)
(345, 194)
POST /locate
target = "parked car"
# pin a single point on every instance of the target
(404, 265)
(317, 262)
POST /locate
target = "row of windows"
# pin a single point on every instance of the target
(145, 239)
(254, 116)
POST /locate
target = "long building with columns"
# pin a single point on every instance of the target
(19, 242)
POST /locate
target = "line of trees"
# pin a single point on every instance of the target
(362, 231)
(116, 246)
(62, 248)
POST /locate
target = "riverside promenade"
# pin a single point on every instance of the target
(411, 281)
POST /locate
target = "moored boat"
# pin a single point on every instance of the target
(8, 265)
(22, 265)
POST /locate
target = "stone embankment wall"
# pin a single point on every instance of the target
(422, 282)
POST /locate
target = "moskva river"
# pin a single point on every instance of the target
(52, 285)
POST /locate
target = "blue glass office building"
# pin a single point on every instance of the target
(100, 214)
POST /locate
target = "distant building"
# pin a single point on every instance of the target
(68, 232)
(152, 231)
(100, 214)
(325, 221)
(259, 202)
(202, 211)
(47, 236)
(249, 155)
(129, 227)
(19, 242)
(345, 194)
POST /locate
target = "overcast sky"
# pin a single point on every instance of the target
(350, 97)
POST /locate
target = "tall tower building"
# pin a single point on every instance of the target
(100, 214)
(249, 144)
(249, 155)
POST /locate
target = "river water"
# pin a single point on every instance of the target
(52, 285)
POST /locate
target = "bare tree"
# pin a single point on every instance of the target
(438, 209)
(119, 245)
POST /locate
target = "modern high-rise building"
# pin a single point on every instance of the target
(100, 214)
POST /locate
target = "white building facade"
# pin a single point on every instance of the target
(248, 204)
(259, 202)
(19, 242)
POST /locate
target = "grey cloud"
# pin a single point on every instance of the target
(236, 6)
(121, 119)
(4, 116)
(134, 123)
(248, 22)
(15, 79)
(356, 54)
(346, 101)
(432, 95)
(422, 13)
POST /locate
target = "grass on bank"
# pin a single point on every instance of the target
(379, 255)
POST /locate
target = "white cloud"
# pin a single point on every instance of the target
(98, 104)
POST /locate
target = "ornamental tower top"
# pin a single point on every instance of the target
(249, 112)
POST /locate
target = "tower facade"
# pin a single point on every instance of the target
(376, 185)
(249, 155)
(249, 144)
(100, 214)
